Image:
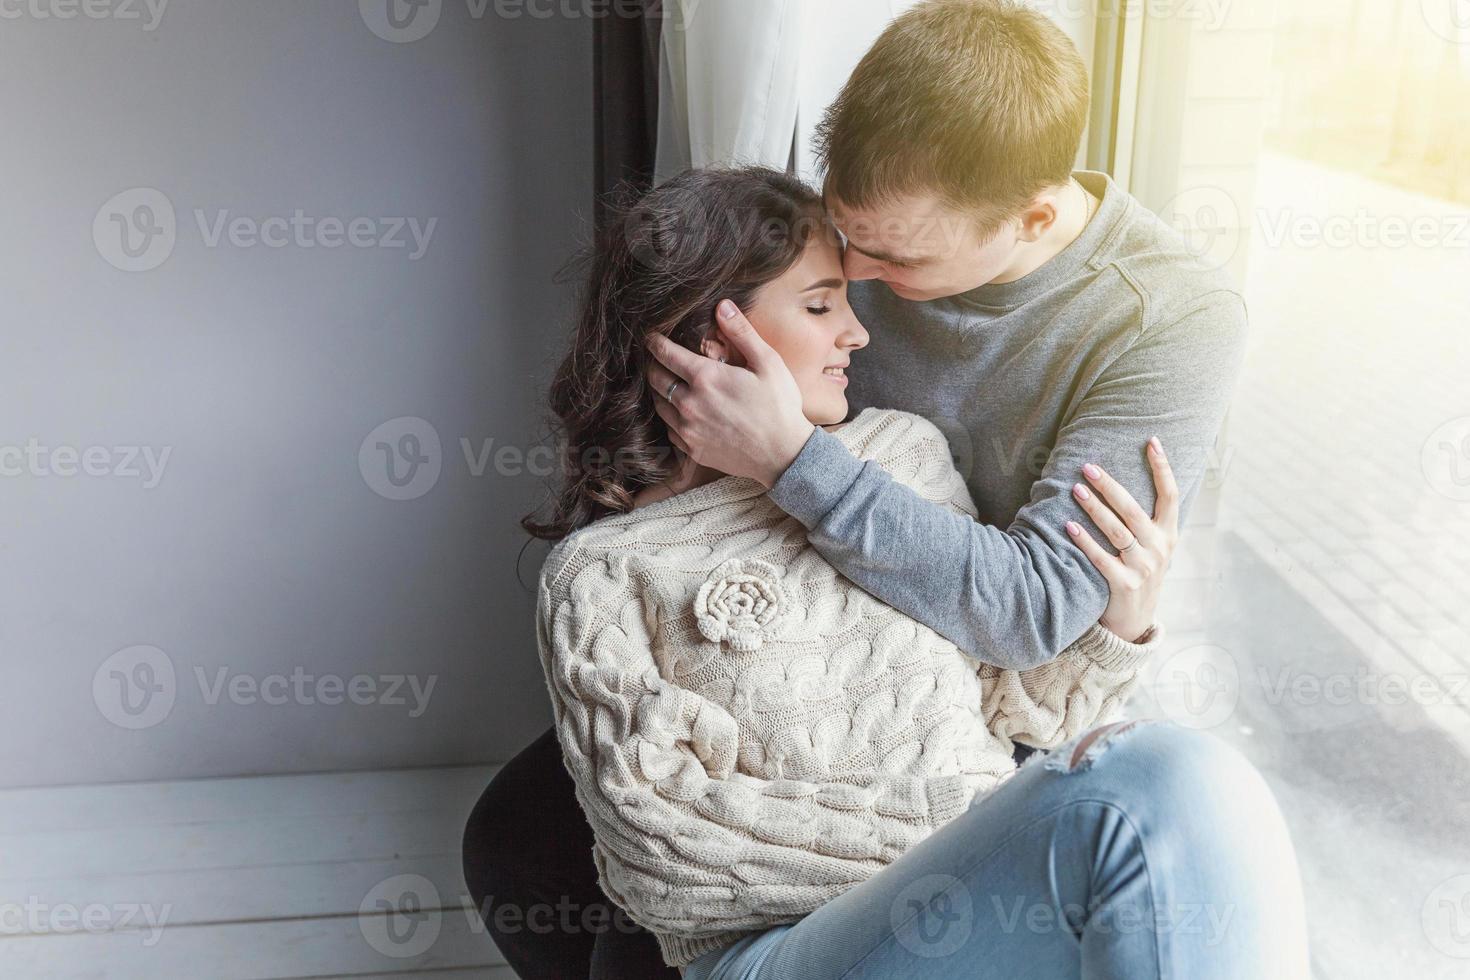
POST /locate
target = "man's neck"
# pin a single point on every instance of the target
(1075, 206)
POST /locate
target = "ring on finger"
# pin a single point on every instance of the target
(1131, 545)
(669, 395)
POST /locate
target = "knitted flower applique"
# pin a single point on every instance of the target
(741, 602)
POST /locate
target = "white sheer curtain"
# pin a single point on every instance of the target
(743, 81)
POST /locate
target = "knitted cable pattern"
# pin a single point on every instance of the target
(751, 734)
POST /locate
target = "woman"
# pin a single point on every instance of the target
(786, 777)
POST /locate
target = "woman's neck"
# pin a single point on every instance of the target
(688, 476)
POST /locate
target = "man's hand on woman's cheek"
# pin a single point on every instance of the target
(744, 421)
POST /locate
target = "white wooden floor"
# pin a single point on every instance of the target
(334, 875)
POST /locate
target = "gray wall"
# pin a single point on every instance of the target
(271, 553)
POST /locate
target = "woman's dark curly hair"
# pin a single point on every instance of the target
(660, 266)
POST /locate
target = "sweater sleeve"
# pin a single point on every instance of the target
(1046, 705)
(654, 769)
(1015, 596)
(1085, 686)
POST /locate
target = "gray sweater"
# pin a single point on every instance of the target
(1122, 336)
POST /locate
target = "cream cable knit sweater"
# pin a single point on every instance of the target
(750, 733)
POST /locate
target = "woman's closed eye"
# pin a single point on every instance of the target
(819, 310)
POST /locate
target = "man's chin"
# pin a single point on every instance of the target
(903, 292)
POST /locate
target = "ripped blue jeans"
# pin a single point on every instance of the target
(1137, 850)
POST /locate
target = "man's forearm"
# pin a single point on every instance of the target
(1010, 598)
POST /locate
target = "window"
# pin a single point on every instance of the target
(1320, 150)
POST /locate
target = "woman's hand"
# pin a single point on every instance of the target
(1135, 575)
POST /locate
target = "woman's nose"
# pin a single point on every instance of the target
(856, 335)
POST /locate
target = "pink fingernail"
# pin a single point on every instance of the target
(1074, 529)
(727, 309)
(1092, 471)
(1082, 492)
(1158, 446)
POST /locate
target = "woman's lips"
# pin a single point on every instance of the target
(836, 376)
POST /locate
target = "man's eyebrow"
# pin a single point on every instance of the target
(824, 284)
(888, 257)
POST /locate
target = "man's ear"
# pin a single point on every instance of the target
(1037, 218)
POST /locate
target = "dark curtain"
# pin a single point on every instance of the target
(625, 110)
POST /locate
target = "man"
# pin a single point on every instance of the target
(1044, 320)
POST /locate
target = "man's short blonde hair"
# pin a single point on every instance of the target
(980, 102)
